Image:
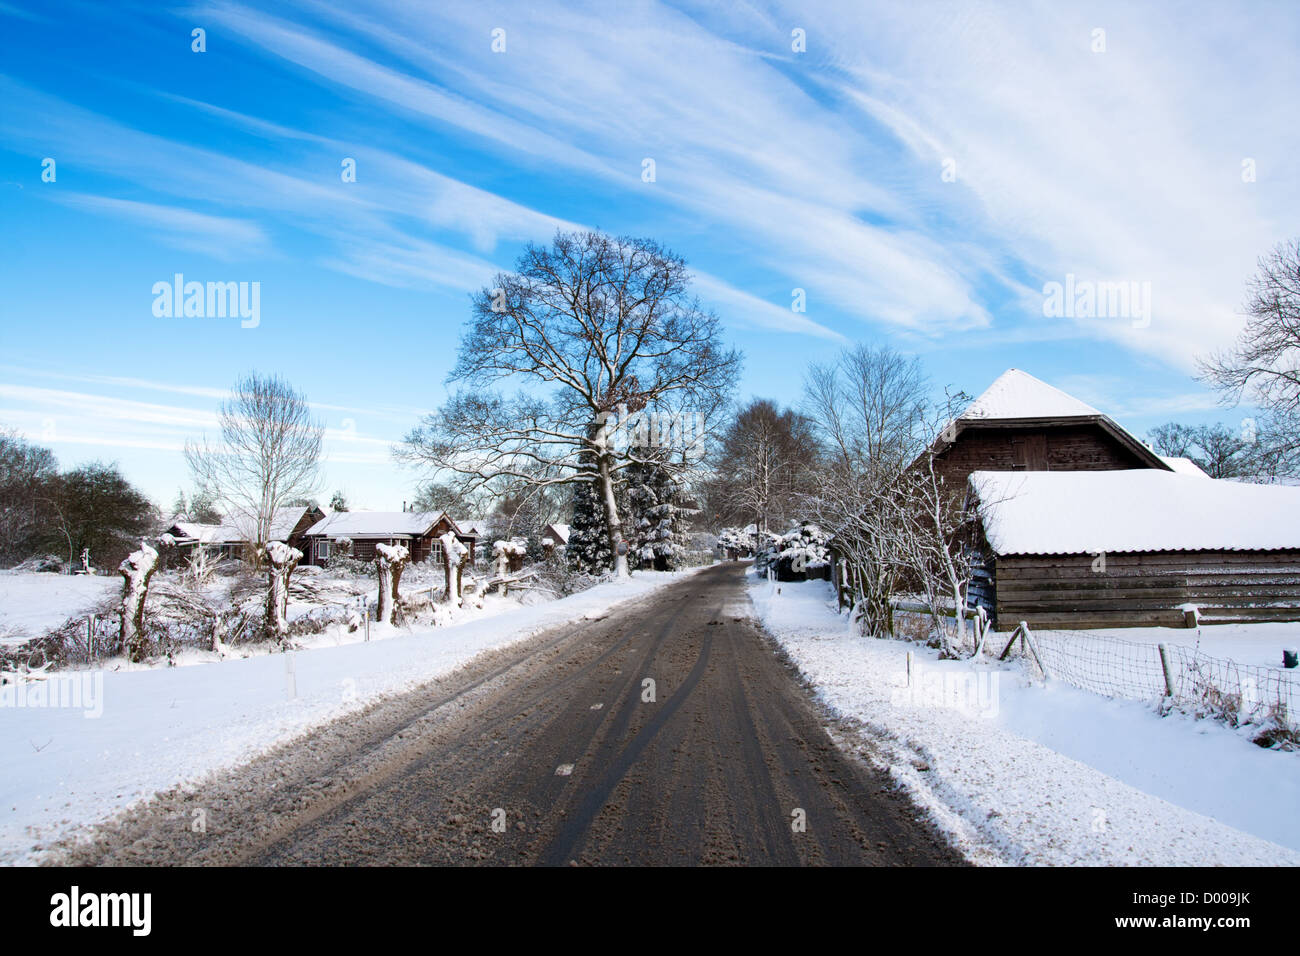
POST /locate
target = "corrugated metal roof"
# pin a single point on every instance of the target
(1084, 512)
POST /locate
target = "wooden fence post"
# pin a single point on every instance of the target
(1169, 671)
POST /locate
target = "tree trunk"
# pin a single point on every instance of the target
(136, 570)
(616, 542)
(280, 562)
(454, 556)
(389, 562)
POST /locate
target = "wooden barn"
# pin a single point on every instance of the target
(1138, 548)
(1022, 424)
(358, 532)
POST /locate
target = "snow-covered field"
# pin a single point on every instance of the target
(139, 731)
(1025, 773)
(32, 603)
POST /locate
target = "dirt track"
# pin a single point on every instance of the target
(712, 771)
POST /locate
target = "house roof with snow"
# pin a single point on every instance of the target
(238, 529)
(471, 526)
(1017, 394)
(1017, 400)
(377, 524)
(1085, 512)
(1184, 466)
(556, 532)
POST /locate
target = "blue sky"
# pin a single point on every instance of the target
(821, 170)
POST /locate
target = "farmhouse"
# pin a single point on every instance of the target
(231, 538)
(1138, 547)
(358, 532)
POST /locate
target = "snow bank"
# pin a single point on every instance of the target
(160, 727)
(33, 603)
(1031, 774)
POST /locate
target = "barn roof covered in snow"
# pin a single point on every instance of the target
(1017, 394)
(1018, 400)
(1085, 512)
(1184, 466)
(377, 524)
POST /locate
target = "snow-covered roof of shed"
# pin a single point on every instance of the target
(474, 526)
(1084, 512)
(1017, 394)
(375, 524)
(561, 531)
(236, 528)
(1184, 466)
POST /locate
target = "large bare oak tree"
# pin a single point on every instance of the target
(588, 328)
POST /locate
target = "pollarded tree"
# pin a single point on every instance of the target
(597, 328)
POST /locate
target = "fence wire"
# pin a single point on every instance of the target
(1114, 667)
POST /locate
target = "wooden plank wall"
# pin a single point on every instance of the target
(1146, 589)
(1048, 448)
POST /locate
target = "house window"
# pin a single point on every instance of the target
(435, 552)
(322, 550)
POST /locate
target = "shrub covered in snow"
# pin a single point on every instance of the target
(738, 540)
(798, 555)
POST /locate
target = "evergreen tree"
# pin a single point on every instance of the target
(588, 548)
(657, 515)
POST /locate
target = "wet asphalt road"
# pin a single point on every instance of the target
(557, 751)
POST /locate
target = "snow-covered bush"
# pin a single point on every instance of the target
(738, 540)
(508, 554)
(798, 555)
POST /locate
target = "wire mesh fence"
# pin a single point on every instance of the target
(1112, 667)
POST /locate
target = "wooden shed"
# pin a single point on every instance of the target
(1138, 548)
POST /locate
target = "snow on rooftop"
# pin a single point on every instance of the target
(361, 524)
(1083, 512)
(561, 531)
(1017, 394)
(1184, 466)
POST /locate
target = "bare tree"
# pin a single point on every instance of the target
(766, 458)
(1263, 366)
(1216, 449)
(267, 455)
(869, 406)
(600, 328)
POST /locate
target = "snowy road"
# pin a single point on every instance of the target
(555, 751)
